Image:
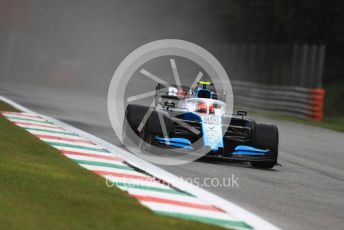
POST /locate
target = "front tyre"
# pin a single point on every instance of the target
(266, 136)
(133, 116)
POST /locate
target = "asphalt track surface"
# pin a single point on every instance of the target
(306, 192)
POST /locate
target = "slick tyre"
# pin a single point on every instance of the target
(266, 136)
(133, 116)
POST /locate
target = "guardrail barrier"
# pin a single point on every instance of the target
(290, 100)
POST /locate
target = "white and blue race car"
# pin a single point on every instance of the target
(194, 117)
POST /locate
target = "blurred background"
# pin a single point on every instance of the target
(283, 56)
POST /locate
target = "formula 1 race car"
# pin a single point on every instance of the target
(190, 115)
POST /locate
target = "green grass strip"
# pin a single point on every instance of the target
(154, 189)
(77, 146)
(51, 131)
(26, 119)
(102, 164)
(220, 222)
(4, 107)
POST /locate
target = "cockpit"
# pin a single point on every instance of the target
(203, 92)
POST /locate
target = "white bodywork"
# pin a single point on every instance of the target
(212, 122)
(211, 118)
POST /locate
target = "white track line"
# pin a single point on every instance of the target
(94, 159)
(112, 170)
(186, 210)
(74, 149)
(32, 126)
(60, 134)
(162, 195)
(130, 182)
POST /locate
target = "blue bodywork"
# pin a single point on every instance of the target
(213, 145)
(195, 117)
(175, 142)
(250, 151)
(186, 144)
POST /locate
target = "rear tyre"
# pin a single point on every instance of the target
(266, 136)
